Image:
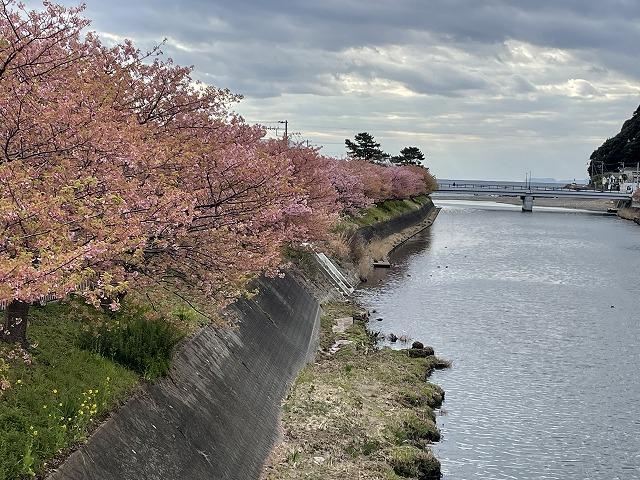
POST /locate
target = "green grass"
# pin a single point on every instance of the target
(410, 462)
(385, 211)
(57, 398)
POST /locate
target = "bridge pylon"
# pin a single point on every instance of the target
(527, 203)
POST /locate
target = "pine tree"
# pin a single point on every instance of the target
(409, 156)
(365, 148)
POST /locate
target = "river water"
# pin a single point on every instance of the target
(540, 313)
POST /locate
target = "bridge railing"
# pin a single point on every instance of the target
(523, 188)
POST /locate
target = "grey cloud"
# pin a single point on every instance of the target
(519, 84)
(471, 88)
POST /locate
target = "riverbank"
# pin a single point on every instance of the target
(370, 236)
(216, 413)
(630, 213)
(82, 364)
(193, 423)
(360, 411)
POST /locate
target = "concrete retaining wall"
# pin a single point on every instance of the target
(216, 416)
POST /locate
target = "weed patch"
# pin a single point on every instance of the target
(411, 462)
(142, 345)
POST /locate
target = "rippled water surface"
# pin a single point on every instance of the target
(541, 315)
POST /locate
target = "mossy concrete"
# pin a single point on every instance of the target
(398, 223)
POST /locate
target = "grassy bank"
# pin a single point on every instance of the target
(83, 364)
(384, 211)
(361, 412)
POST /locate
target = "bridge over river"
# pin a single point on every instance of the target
(528, 192)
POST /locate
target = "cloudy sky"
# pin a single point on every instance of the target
(487, 89)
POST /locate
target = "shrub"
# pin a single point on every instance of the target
(144, 346)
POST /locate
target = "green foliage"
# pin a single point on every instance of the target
(411, 462)
(294, 456)
(187, 317)
(621, 150)
(142, 345)
(58, 394)
(365, 148)
(409, 156)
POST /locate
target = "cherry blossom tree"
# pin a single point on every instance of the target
(119, 171)
(349, 186)
(90, 176)
(64, 192)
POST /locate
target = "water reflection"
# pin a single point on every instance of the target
(540, 314)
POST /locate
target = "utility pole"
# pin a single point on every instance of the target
(286, 130)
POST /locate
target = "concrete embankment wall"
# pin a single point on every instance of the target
(216, 415)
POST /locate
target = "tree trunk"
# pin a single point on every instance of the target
(105, 303)
(15, 323)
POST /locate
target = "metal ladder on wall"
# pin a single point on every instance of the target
(335, 274)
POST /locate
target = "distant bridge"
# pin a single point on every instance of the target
(528, 192)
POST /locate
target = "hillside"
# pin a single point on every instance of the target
(623, 148)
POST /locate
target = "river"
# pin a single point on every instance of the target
(540, 313)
